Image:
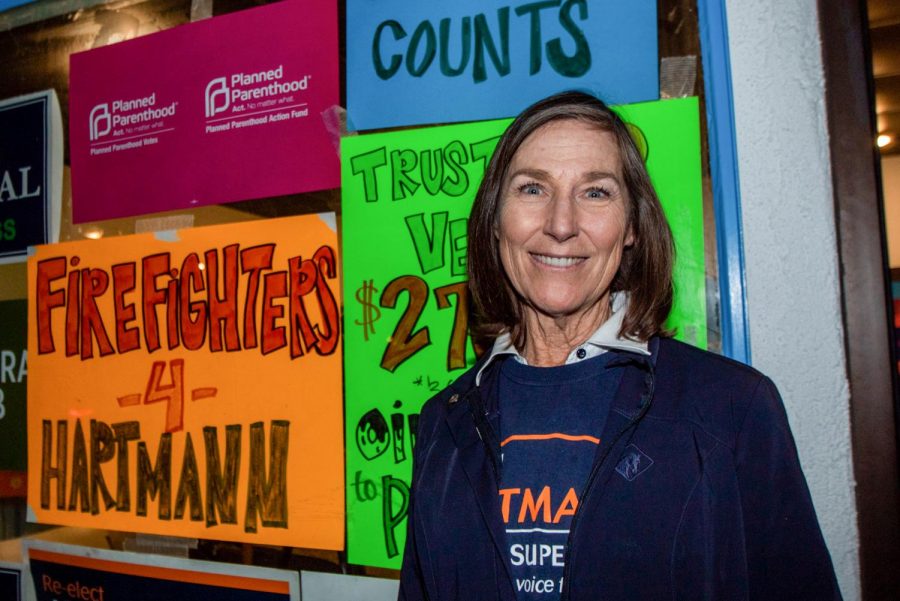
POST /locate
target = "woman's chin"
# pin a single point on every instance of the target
(560, 308)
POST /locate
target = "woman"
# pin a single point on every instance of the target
(588, 456)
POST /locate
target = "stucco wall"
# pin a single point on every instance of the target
(790, 248)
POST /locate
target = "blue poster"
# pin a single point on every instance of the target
(8, 4)
(30, 173)
(412, 62)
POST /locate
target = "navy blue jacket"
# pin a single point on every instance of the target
(696, 493)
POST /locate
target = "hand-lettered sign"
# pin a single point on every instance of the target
(13, 384)
(31, 165)
(60, 571)
(189, 383)
(239, 118)
(406, 198)
(416, 62)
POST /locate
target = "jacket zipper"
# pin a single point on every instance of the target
(644, 407)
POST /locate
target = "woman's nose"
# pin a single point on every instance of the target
(561, 222)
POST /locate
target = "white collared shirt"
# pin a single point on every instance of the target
(606, 337)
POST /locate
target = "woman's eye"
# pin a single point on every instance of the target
(597, 193)
(530, 189)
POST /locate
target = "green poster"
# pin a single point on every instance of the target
(670, 131)
(406, 198)
(13, 377)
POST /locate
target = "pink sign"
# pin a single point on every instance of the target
(221, 110)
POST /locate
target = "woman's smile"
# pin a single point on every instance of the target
(557, 262)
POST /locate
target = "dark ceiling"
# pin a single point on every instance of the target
(884, 28)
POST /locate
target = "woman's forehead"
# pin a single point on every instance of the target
(564, 142)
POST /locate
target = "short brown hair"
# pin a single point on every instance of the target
(646, 268)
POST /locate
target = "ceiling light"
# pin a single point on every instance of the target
(883, 140)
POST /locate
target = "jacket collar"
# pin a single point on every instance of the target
(605, 338)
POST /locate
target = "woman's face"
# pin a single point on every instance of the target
(563, 223)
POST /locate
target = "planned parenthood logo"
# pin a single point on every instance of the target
(217, 97)
(100, 121)
(137, 121)
(241, 99)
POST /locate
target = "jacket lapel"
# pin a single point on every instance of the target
(478, 465)
(632, 398)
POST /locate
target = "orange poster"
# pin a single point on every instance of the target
(188, 383)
